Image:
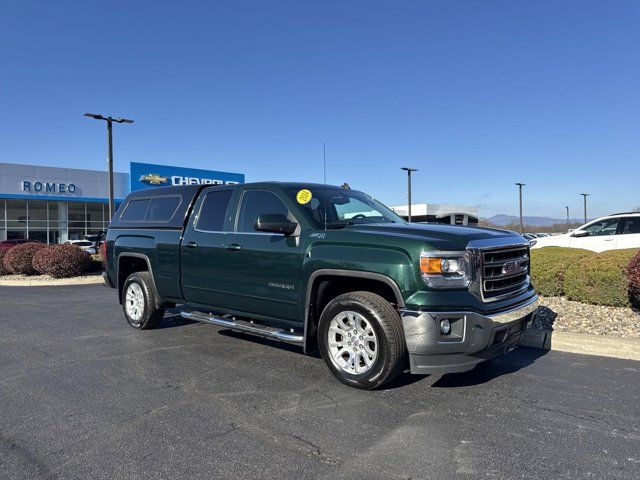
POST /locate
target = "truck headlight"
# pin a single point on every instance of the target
(445, 269)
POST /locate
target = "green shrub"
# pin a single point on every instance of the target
(548, 267)
(19, 259)
(600, 278)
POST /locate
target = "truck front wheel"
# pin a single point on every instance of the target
(361, 340)
(139, 302)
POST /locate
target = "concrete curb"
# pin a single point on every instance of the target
(605, 346)
(87, 280)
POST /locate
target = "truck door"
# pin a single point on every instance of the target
(203, 255)
(264, 275)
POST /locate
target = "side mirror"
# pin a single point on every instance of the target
(580, 233)
(275, 223)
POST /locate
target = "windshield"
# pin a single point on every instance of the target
(336, 208)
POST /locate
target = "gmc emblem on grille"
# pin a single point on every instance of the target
(510, 268)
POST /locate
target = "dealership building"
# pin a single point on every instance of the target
(53, 204)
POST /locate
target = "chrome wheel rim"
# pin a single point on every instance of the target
(134, 303)
(353, 345)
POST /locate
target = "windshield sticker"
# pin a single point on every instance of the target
(304, 196)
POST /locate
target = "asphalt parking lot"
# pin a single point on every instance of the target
(82, 395)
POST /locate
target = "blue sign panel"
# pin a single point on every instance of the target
(148, 175)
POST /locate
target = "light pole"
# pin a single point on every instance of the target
(324, 162)
(109, 121)
(585, 195)
(520, 185)
(568, 222)
(409, 170)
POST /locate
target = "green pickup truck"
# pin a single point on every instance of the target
(327, 268)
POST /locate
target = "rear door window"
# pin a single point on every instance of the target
(213, 211)
(632, 225)
(135, 210)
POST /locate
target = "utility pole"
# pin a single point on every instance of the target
(585, 195)
(324, 162)
(568, 221)
(409, 170)
(520, 185)
(109, 121)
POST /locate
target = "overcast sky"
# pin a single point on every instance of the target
(475, 94)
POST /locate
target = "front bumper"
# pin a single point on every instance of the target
(474, 338)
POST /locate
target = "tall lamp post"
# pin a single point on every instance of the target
(324, 162)
(110, 121)
(409, 170)
(585, 195)
(568, 221)
(520, 185)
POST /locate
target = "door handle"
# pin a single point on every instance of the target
(233, 246)
(192, 244)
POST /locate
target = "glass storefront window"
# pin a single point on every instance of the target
(16, 214)
(76, 216)
(95, 212)
(76, 234)
(13, 234)
(50, 221)
(37, 212)
(39, 235)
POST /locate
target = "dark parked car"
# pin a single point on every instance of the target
(325, 268)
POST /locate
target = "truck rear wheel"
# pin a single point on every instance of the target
(139, 301)
(361, 340)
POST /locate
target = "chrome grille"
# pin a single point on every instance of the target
(504, 271)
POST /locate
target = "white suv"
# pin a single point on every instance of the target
(614, 232)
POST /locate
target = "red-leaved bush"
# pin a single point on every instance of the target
(633, 275)
(3, 269)
(19, 259)
(41, 259)
(62, 261)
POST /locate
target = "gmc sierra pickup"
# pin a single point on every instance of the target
(325, 268)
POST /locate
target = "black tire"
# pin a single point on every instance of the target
(387, 325)
(151, 315)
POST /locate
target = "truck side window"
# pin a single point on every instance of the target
(213, 211)
(135, 210)
(162, 209)
(258, 202)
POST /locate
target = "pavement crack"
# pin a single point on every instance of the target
(232, 428)
(533, 404)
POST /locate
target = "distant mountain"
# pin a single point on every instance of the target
(502, 220)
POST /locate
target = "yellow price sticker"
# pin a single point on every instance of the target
(304, 196)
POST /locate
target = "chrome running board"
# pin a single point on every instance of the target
(245, 326)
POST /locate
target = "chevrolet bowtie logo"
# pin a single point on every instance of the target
(153, 179)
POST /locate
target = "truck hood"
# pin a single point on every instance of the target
(446, 237)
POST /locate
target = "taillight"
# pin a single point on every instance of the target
(103, 252)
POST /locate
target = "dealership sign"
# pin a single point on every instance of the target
(147, 175)
(43, 186)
